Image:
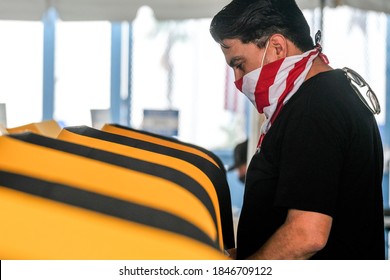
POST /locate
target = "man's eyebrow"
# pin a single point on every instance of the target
(234, 61)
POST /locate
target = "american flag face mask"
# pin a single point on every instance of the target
(272, 85)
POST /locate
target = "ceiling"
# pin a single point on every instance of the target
(125, 10)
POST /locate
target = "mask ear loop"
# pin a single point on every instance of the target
(266, 48)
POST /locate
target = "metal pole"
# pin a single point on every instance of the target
(116, 41)
(322, 7)
(386, 135)
(386, 127)
(49, 32)
(130, 76)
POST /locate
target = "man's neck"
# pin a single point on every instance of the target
(318, 67)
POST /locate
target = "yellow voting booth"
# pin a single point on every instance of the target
(202, 158)
(204, 188)
(64, 199)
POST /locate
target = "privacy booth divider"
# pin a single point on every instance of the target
(83, 197)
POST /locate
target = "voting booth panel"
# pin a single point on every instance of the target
(59, 184)
(200, 185)
(48, 128)
(174, 148)
(188, 185)
(39, 228)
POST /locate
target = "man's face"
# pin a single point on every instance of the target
(243, 58)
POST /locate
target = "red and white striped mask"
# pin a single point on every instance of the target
(272, 85)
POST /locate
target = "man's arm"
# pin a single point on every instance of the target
(302, 235)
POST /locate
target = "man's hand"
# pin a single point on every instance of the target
(232, 253)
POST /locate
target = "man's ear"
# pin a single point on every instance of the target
(279, 44)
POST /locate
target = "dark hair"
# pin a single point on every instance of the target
(256, 20)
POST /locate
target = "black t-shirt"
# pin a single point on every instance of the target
(322, 154)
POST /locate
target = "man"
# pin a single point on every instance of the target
(240, 160)
(313, 188)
